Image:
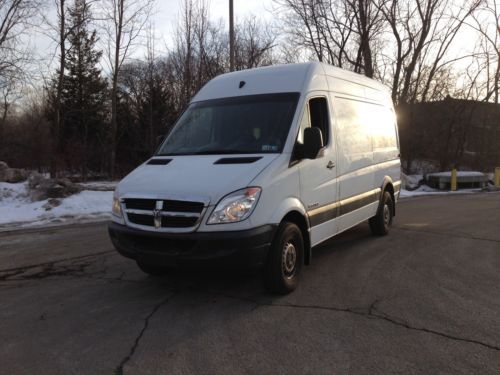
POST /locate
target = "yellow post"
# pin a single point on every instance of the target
(454, 179)
(497, 176)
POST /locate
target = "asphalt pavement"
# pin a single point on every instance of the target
(423, 300)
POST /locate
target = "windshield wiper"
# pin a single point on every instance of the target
(218, 152)
(210, 152)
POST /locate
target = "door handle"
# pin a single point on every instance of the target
(330, 165)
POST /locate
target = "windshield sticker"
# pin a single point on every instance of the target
(269, 148)
(256, 133)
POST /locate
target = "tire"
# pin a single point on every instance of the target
(285, 259)
(152, 270)
(382, 221)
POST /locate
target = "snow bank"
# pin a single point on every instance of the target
(459, 174)
(99, 185)
(426, 190)
(94, 203)
(411, 181)
(16, 209)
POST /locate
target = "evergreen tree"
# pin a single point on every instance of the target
(84, 93)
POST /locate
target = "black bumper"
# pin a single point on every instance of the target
(246, 248)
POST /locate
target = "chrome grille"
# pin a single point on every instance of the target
(163, 213)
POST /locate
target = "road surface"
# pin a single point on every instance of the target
(425, 299)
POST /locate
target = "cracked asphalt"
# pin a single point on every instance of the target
(425, 299)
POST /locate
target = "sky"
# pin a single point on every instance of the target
(167, 13)
(164, 20)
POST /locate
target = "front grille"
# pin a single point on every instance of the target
(141, 219)
(140, 204)
(168, 205)
(169, 213)
(182, 206)
(178, 222)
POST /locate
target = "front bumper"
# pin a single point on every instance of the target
(246, 248)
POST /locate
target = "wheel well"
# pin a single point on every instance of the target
(299, 219)
(390, 189)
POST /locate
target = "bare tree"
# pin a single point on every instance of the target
(323, 27)
(200, 51)
(123, 24)
(254, 44)
(58, 122)
(5, 105)
(27, 132)
(423, 32)
(340, 32)
(410, 23)
(16, 16)
(434, 57)
(369, 25)
(487, 24)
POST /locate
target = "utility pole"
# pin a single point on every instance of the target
(231, 36)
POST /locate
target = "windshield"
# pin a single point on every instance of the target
(239, 125)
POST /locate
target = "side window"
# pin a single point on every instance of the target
(319, 116)
(315, 114)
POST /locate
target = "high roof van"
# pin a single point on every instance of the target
(263, 165)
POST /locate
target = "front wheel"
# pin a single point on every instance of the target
(382, 221)
(285, 259)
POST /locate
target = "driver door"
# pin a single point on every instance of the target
(318, 177)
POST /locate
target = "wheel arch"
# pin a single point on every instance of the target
(388, 185)
(301, 221)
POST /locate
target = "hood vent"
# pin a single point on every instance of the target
(242, 160)
(158, 161)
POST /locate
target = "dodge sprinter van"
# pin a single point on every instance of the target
(263, 165)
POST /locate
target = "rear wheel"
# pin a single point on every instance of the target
(152, 270)
(382, 221)
(285, 259)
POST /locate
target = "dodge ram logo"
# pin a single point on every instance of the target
(157, 218)
(157, 214)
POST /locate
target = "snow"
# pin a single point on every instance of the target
(94, 203)
(426, 190)
(411, 181)
(99, 185)
(459, 174)
(17, 210)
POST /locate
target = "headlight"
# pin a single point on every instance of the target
(236, 206)
(117, 208)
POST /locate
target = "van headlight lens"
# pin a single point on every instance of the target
(117, 208)
(236, 206)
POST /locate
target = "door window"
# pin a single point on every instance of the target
(315, 114)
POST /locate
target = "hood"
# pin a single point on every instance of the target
(194, 176)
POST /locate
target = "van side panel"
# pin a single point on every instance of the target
(357, 197)
(386, 149)
(367, 143)
(353, 136)
(385, 142)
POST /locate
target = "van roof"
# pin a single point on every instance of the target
(303, 77)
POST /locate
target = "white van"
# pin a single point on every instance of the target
(263, 165)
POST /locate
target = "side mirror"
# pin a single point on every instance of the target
(313, 142)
